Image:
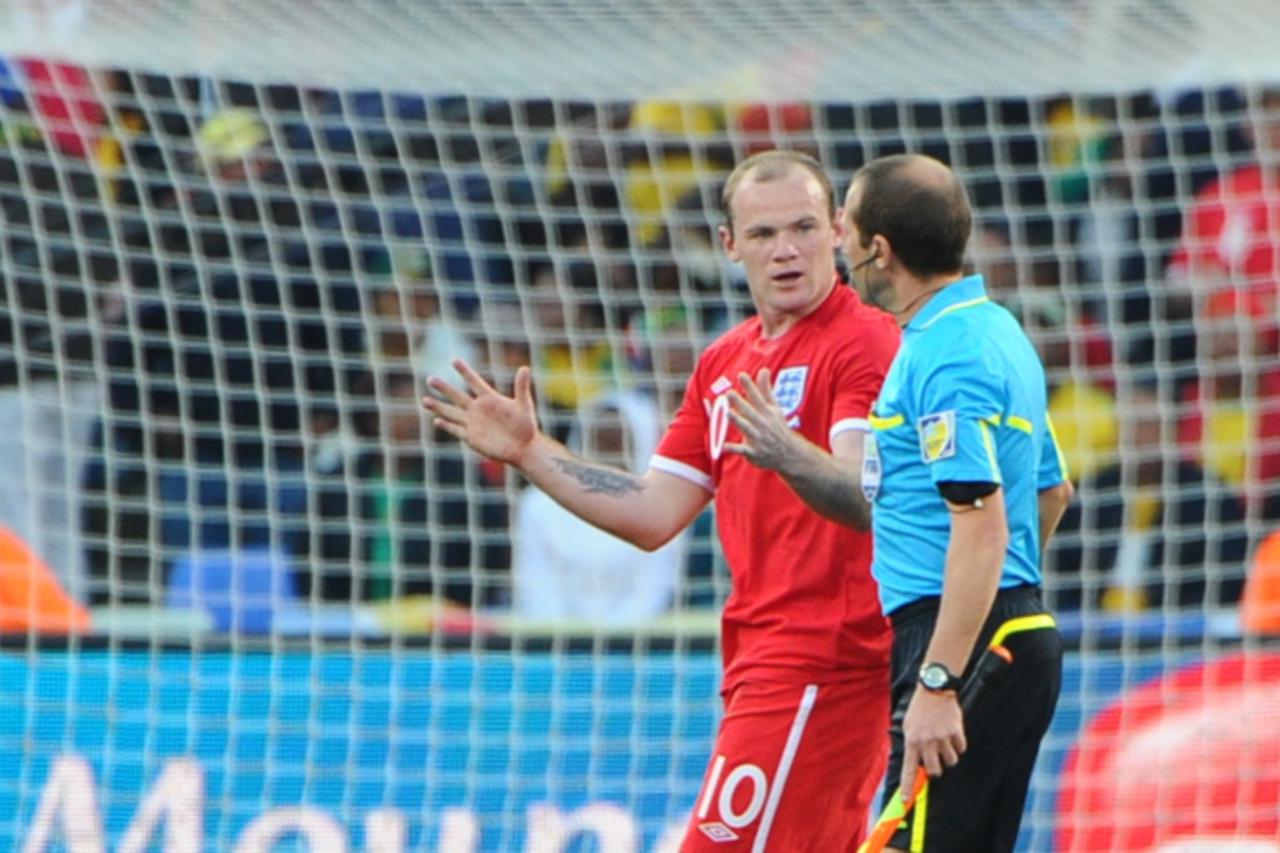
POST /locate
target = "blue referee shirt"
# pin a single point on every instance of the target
(965, 401)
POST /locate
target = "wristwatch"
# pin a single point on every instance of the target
(936, 678)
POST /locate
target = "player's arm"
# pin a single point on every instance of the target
(646, 510)
(829, 483)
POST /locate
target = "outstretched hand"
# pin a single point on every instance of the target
(768, 438)
(491, 423)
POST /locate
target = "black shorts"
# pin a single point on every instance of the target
(976, 806)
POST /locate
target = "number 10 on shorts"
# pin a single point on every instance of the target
(722, 790)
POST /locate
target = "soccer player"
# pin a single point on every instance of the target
(967, 485)
(772, 426)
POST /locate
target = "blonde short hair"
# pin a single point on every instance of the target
(770, 166)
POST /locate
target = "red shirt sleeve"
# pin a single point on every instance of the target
(861, 369)
(683, 448)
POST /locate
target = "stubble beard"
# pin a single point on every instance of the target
(877, 292)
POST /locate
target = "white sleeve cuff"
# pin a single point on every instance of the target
(683, 471)
(859, 424)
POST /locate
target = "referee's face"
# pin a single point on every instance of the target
(785, 238)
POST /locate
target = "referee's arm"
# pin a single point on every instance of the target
(975, 558)
(1055, 489)
(1053, 503)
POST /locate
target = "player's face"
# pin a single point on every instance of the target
(785, 238)
(872, 284)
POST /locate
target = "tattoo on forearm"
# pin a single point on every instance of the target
(599, 481)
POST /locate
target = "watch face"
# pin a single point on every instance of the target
(934, 676)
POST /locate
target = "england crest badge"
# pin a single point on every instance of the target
(788, 388)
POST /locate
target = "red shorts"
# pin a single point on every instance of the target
(794, 768)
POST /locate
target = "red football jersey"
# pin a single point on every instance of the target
(804, 606)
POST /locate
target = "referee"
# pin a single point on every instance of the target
(967, 484)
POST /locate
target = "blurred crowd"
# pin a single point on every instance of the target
(256, 280)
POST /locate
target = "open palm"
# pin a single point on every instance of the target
(493, 424)
(768, 440)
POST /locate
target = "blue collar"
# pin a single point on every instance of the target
(965, 293)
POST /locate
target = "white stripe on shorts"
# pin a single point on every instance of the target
(712, 781)
(784, 766)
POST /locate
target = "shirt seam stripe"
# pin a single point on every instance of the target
(959, 306)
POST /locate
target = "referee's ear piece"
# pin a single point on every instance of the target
(878, 243)
(875, 253)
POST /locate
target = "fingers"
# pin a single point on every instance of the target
(934, 756)
(947, 755)
(757, 413)
(757, 390)
(915, 760)
(743, 415)
(524, 387)
(454, 395)
(910, 761)
(932, 763)
(474, 381)
(454, 429)
(441, 409)
(914, 785)
(764, 379)
(937, 757)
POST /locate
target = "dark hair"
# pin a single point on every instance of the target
(926, 220)
(770, 166)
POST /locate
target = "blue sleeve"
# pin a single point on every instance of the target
(1053, 462)
(960, 399)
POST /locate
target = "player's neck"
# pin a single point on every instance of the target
(774, 324)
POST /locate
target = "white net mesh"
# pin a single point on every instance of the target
(238, 235)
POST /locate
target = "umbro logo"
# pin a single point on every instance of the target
(718, 832)
(721, 385)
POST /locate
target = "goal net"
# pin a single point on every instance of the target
(248, 599)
